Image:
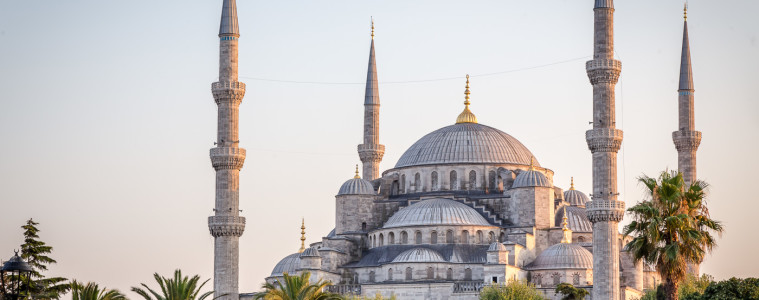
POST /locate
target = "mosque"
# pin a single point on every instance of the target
(465, 206)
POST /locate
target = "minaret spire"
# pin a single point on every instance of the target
(466, 116)
(686, 138)
(605, 211)
(302, 235)
(227, 158)
(371, 151)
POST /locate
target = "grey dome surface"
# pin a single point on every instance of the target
(577, 219)
(418, 255)
(575, 197)
(466, 143)
(288, 265)
(436, 212)
(310, 252)
(531, 178)
(497, 247)
(357, 186)
(563, 256)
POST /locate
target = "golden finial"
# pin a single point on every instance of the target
(566, 239)
(532, 163)
(372, 27)
(466, 116)
(572, 185)
(356, 177)
(302, 235)
(685, 11)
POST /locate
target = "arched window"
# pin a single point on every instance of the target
(409, 274)
(537, 279)
(479, 237)
(502, 237)
(404, 237)
(576, 279)
(417, 183)
(433, 177)
(391, 238)
(449, 274)
(491, 237)
(381, 240)
(390, 274)
(468, 274)
(430, 273)
(465, 237)
(556, 278)
(454, 181)
(449, 236)
(472, 180)
(363, 226)
(491, 180)
(433, 237)
(581, 239)
(394, 189)
(418, 237)
(371, 276)
(403, 184)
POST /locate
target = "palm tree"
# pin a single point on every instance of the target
(177, 288)
(92, 291)
(296, 288)
(672, 228)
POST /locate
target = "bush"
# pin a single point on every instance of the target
(733, 288)
(513, 290)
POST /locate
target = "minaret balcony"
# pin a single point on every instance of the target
(603, 70)
(226, 225)
(686, 140)
(228, 92)
(605, 210)
(227, 158)
(372, 152)
(604, 139)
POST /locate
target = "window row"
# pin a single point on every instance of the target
(496, 181)
(428, 275)
(479, 237)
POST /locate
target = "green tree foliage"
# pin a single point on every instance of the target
(177, 288)
(91, 291)
(35, 253)
(296, 288)
(570, 292)
(733, 288)
(672, 228)
(513, 290)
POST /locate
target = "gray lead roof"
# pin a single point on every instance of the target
(466, 143)
(229, 26)
(436, 212)
(686, 73)
(372, 87)
(563, 256)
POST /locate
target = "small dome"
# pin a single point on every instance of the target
(418, 255)
(563, 256)
(575, 197)
(436, 212)
(310, 252)
(497, 247)
(357, 186)
(288, 265)
(576, 217)
(531, 178)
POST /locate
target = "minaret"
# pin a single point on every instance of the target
(604, 141)
(226, 225)
(686, 138)
(371, 151)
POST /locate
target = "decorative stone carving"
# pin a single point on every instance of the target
(604, 139)
(686, 140)
(228, 92)
(226, 225)
(603, 70)
(227, 158)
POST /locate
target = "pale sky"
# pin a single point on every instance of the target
(107, 114)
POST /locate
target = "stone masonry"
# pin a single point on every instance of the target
(226, 225)
(604, 141)
(371, 151)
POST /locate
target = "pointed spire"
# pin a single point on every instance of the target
(302, 235)
(572, 184)
(229, 26)
(567, 233)
(372, 87)
(357, 177)
(466, 116)
(686, 72)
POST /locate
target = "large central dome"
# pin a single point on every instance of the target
(466, 143)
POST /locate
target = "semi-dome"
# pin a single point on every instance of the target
(288, 265)
(465, 143)
(575, 197)
(531, 178)
(563, 256)
(497, 247)
(436, 212)
(577, 219)
(310, 252)
(418, 255)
